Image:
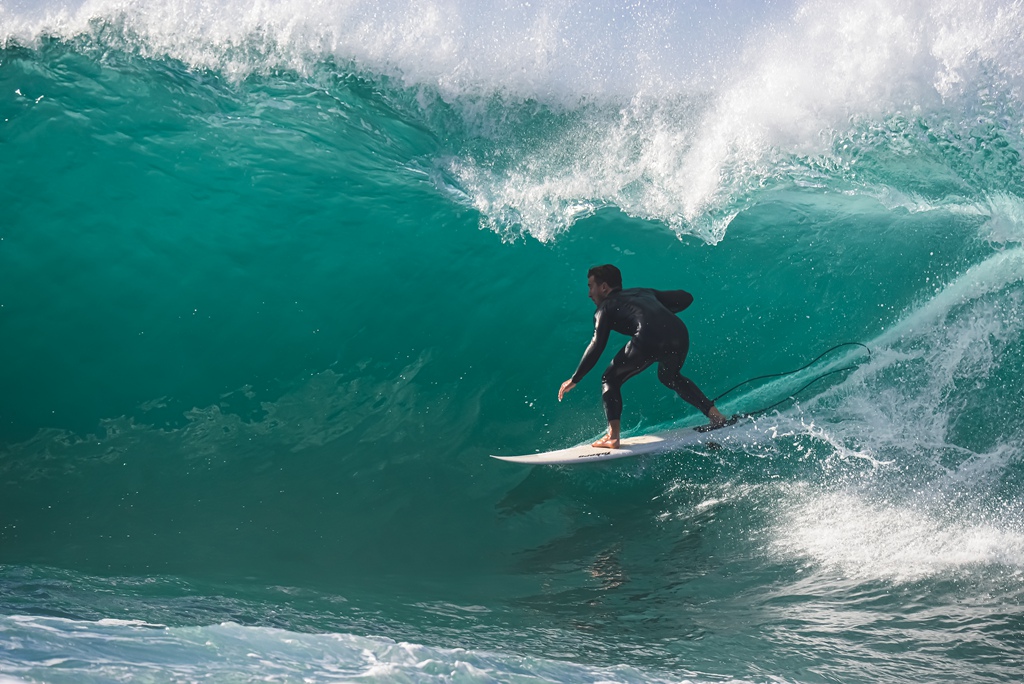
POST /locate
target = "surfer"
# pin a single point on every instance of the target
(656, 335)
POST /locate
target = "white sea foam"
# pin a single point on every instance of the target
(797, 64)
(927, 505)
(109, 651)
(900, 542)
(535, 49)
(686, 156)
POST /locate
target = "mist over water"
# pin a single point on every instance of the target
(276, 279)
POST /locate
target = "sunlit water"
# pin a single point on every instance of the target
(276, 279)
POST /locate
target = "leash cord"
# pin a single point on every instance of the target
(779, 375)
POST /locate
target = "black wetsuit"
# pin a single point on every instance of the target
(648, 317)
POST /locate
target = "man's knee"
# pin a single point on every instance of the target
(668, 376)
(610, 379)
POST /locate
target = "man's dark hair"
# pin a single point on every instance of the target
(607, 274)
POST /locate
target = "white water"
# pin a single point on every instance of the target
(60, 650)
(905, 492)
(692, 107)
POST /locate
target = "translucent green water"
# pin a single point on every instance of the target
(268, 302)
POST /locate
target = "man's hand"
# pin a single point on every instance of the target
(566, 386)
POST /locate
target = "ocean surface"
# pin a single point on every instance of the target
(276, 278)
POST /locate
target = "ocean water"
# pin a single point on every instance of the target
(277, 277)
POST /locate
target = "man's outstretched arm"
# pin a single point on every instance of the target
(594, 350)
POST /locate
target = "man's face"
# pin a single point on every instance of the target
(597, 291)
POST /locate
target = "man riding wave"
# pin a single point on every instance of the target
(656, 335)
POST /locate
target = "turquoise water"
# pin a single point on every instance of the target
(275, 280)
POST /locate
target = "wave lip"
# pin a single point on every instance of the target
(541, 50)
(767, 60)
(677, 114)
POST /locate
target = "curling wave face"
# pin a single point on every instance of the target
(259, 346)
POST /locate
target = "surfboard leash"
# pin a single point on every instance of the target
(784, 373)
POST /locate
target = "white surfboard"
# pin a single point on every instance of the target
(658, 442)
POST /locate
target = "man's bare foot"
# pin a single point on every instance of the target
(717, 421)
(716, 417)
(606, 442)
